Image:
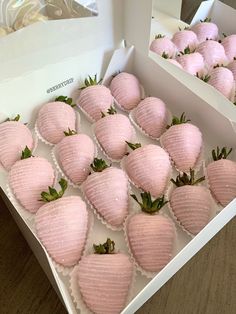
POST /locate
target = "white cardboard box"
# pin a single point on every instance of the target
(167, 20)
(25, 89)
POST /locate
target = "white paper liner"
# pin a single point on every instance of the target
(138, 267)
(199, 162)
(103, 151)
(78, 299)
(54, 154)
(99, 216)
(213, 209)
(122, 165)
(140, 129)
(36, 130)
(125, 110)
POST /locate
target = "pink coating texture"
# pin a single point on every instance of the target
(229, 44)
(126, 90)
(163, 45)
(173, 61)
(232, 67)
(14, 137)
(205, 31)
(213, 53)
(222, 180)
(192, 63)
(223, 80)
(151, 116)
(28, 178)
(184, 39)
(149, 168)
(151, 240)
(192, 207)
(183, 142)
(108, 192)
(94, 100)
(62, 226)
(111, 132)
(53, 119)
(104, 282)
(75, 154)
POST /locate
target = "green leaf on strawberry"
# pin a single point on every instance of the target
(187, 179)
(65, 99)
(99, 165)
(52, 193)
(133, 146)
(177, 120)
(70, 132)
(91, 82)
(110, 111)
(26, 153)
(106, 248)
(148, 205)
(218, 153)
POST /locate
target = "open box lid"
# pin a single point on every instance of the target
(52, 41)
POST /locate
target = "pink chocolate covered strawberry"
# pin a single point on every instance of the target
(126, 89)
(213, 53)
(223, 80)
(56, 117)
(75, 153)
(163, 46)
(192, 63)
(229, 43)
(111, 132)
(151, 236)
(206, 30)
(183, 142)
(221, 174)
(28, 178)
(232, 67)
(14, 137)
(149, 168)
(94, 98)
(191, 203)
(107, 191)
(62, 225)
(104, 279)
(151, 115)
(185, 38)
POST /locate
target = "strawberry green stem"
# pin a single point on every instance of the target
(98, 165)
(133, 146)
(110, 111)
(70, 132)
(89, 81)
(177, 120)
(148, 205)
(159, 36)
(187, 179)
(26, 153)
(218, 153)
(52, 193)
(106, 248)
(66, 100)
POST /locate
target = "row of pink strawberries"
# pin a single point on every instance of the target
(62, 224)
(199, 51)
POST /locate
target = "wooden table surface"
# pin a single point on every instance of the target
(206, 285)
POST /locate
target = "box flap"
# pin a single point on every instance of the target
(223, 15)
(46, 43)
(172, 8)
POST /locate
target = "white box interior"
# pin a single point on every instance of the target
(178, 99)
(76, 48)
